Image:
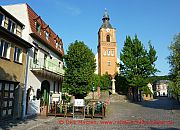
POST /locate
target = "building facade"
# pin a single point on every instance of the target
(45, 71)
(161, 88)
(13, 58)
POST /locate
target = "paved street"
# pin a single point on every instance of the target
(159, 114)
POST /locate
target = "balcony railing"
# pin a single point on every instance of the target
(47, 65)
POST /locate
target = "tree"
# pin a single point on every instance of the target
(103, 81)
(153, 79)
(121, 84)
(137, 64)
(80, 67)
(174, 60)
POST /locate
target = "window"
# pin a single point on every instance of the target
(112, 53)
(4, 49)
(35, 55)
(1, 18)
(109, 52)
(18, 31)
(38, 27)
(57, 44)
(11, 26)
(104, 53)
(47, 35)
(18, 55)
(60, 47)
(6, 22)
(109, 63)
(108, 38)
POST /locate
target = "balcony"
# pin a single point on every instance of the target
(47, 68)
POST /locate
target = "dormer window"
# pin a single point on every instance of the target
(47, 35)
(60, 47)
(11, 26)
(18, 30)
(5, 23)
(108, 38)
(38, 28)
(56, 42)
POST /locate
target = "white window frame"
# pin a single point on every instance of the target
(11, 26)
(18, 31)
(2, 41)
(57, 44)
(18, 58)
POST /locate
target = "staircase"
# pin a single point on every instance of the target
(118, 98)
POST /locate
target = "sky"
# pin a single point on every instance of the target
(152, 20)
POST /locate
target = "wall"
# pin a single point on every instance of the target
(11, 71)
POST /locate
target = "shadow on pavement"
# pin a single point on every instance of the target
(152, 128)
(161, 103)
(7, 124)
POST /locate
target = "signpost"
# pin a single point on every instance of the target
(79, 109)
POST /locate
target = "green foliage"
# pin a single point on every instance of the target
(146, 90)
(137, 64)
(121, 84)
(153, 79)
(174, 60)
(80, 67)
(103, 81)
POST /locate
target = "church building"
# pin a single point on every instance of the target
(107, 49)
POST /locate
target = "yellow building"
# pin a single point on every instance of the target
(13, 55)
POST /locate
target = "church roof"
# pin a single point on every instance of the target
(106, 23)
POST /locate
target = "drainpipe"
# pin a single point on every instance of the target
(25, 85)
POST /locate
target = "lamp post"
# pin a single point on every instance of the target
(93, 88)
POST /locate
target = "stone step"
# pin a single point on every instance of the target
(118, 98)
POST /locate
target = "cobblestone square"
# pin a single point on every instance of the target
(159, 114)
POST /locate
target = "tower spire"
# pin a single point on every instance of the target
(105, 19)
(106, 15)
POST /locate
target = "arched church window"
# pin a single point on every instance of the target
(104, 52)
(108, 38)
(109, 52)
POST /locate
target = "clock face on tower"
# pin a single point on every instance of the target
(107, 29)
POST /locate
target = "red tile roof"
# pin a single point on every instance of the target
(51, 42)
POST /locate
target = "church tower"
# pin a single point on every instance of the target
(107, 47)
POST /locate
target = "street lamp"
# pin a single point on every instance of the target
(93, 89)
